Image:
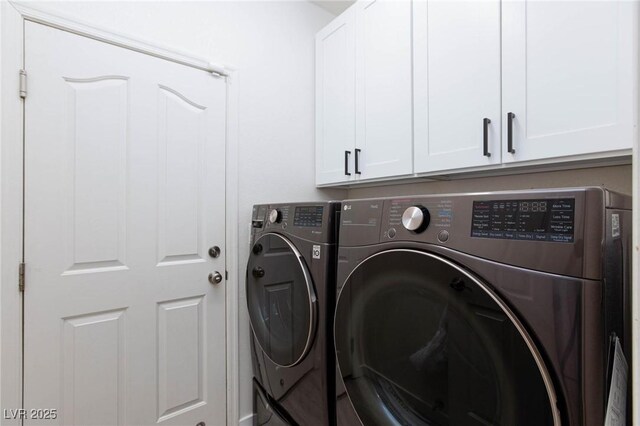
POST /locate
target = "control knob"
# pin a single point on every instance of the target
(275, 216)
(416, 218)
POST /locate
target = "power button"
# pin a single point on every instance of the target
(443, 236)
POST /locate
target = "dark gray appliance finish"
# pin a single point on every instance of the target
(291, 288)
(442, 327)
(266, 413)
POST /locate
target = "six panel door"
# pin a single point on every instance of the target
(569, 78)
(456, 84)
(124, 193)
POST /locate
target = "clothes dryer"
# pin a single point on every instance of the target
(477, 309)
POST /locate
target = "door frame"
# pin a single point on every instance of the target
(12, 19)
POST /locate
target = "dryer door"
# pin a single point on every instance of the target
(420, 341)
(281, 300)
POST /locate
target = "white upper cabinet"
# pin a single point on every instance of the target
(428, 87)
(383, 89)
(335, 100)
(569, 78)
(456, 84)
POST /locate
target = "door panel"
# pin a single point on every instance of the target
(99, 141)
(456, 84)
(570, 82)
(93, 352)
(180, 355)
(383, 88)
(181, 144)
(124, 193)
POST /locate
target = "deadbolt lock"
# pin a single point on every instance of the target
(215, 277)
(214, 251)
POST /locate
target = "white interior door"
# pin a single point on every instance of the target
(124, 190)
(456, 84)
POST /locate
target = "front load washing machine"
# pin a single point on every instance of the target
(290, 286)
(477, 309)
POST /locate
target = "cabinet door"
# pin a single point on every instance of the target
(335, 100)
(456, 84)
(569, 77)
(383, 88)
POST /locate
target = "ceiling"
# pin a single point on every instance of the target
(335, 7)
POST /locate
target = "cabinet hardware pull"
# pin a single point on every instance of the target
(510, 117)
(485, 137)
(346, 163)
(357, 161)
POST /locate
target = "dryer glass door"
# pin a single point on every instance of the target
(281, 300)
(420, 341)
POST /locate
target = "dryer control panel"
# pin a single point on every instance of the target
(531, 219)
(550, 230)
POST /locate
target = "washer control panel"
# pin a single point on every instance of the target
(534, 220)
(308, 216)
(312, 221)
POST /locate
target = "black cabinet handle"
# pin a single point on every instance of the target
(357, 161)
(346, 163)
(510, 117)
(485, 137)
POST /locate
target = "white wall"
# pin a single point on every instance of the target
(271, 44)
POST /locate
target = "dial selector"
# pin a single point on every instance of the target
(416, 218)
(275, 216)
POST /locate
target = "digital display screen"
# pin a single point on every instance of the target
(306, 217)
(533, 220)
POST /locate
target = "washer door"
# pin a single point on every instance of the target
(422, 342)
(281, 300)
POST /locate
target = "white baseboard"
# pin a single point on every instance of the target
(246, 420)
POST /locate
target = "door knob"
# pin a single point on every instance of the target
(215, 277)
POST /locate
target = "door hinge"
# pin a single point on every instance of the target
(23, 84)
(21, 277)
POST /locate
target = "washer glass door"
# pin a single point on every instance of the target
(422, 342)
(281, 300)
